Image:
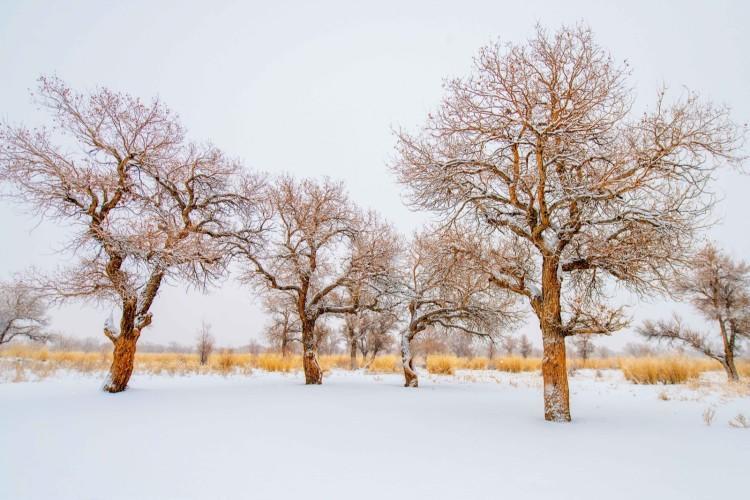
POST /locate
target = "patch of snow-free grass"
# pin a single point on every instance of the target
(363, 436)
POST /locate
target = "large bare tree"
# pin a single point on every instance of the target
(441, 290)
(140, 201)
(719, 288)
(316, 243)
(538, 149)
(23, 313)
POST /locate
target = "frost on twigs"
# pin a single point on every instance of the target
(539, 153)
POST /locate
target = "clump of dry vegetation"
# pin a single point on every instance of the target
(442, 364)
(516, 364)
(661, 370)
(23, 362)
(388, 363)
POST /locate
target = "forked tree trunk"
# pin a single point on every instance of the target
(554, 370)
(313, 373)
(407, 360)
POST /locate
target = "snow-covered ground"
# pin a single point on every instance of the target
(362, 436)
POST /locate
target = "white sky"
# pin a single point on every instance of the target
(314, 88)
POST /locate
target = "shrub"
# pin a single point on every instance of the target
(515, 364)
(277, 363)
(477, 363)
(385, 364)
(442, 364)
(660, 370)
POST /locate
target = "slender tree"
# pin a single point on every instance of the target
(23, 313)
(205, 343)
(139, 199)
(524, 346)
(537, 150)
(284, 330)
(584, 345)
(440, 291)
(316, 243)
(719, 288)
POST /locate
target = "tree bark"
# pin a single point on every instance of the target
(284, 346)
(313, 373)
(728, 361)
(729, 367)
(123, 359)
(407, 361)
(352, 353)
(123, 355)
(554, 370)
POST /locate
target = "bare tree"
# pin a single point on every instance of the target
(538, 151)
(439, 291)
(316, 243)
(524, 346)
(366, 330)
(141, 200)
(206, 342)
(284, 329)
(23, 313)
(584, 346)
(509, 345)
(376, 335)
(719, 288)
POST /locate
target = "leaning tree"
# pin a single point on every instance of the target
(538, 149)
(315, 243)
(719, 289)
(140, 202)
(441, 290)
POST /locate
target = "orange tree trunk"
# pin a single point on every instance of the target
(407, 361)
(123, 359)
(313, 373)
(554, 370)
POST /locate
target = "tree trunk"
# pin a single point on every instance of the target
(407, 360)
(123, 355)
(554, 370)
(728, 361)
(729, 366)
(284, 342)
(123, 359)
(313, 373)
(352, 354)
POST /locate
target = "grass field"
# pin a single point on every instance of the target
(22, 362)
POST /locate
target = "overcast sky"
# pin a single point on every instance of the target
(315, 88)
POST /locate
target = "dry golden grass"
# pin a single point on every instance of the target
(516, 364)
(388, 363)
(271, 362)
(25, 362)
(661, 370)
(442, 364)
